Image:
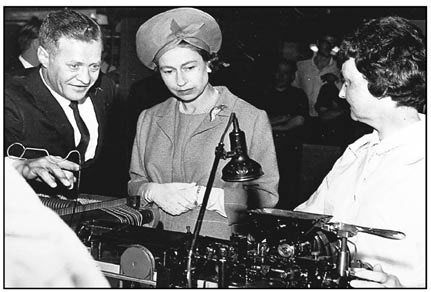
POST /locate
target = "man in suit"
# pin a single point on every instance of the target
(60, 106)
(28, 43)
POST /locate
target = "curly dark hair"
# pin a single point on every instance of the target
(390, 53)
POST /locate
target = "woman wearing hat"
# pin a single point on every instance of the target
(175, 142)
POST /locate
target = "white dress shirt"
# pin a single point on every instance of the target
(88, 114)
(24, 62)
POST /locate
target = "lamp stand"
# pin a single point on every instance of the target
(218, 155)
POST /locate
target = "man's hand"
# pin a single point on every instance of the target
(374, 279)
(48, 169)
(173, 198)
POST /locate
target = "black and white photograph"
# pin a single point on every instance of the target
(215, 145)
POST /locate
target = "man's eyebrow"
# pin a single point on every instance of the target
(75, 62)
(81, 63)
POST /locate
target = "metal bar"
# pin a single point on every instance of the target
(128, 278)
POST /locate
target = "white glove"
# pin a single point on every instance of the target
(215, 201)
(173, 198)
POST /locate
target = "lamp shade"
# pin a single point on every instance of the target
(241, 167)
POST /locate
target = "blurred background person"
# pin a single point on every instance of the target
(286, 105)
(308, 77)
(287, 108)
(28, 42)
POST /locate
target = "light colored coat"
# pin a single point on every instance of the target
(153, 152)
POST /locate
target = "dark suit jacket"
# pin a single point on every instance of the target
(14, 66)
(34, 118)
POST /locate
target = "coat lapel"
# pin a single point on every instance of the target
(166, 118)
(222, 117)
(166, 115)
(47, 104)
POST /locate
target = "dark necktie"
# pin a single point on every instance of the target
(85, 134)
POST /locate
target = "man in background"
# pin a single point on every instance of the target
(308, 78)
(286, 105)
(28, 42)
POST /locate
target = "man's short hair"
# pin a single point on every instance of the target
(69, 24)
(390, 53)
(28, 32)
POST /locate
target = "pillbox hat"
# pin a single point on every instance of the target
(165, 30)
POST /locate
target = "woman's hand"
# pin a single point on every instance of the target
(173, 198)
(215, 200)
(376, 278)
(48, 169)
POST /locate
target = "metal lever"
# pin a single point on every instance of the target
(350, 230)
(386, 233)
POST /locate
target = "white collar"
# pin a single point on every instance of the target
(408, 135)
(24, 62)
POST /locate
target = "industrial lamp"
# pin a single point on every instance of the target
(240, 169)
